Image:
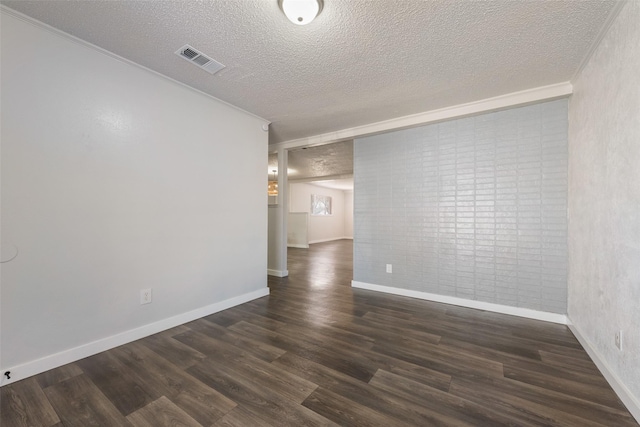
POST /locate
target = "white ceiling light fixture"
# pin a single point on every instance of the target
(301, 12)
(272, 187)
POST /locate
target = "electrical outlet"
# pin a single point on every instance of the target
(389, 268)
(618, 339)
(145, 296)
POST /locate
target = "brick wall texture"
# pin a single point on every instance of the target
(474, 208)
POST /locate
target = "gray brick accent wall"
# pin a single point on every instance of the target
(474, 208)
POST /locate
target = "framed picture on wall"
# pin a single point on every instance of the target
(320, 205)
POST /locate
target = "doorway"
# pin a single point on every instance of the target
(319, 202)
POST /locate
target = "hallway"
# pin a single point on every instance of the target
(329, 264)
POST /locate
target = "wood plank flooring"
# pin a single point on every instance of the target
(318, 353)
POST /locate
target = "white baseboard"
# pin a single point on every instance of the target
(52, 361)
(480, 305)
(329, 240)
(277, 273)
(292, 245)
(630, 401)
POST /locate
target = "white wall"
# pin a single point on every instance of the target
(604, 201)
(115, 179)
(276, 260)
(321, 228)
(298, 230)
(348, 214)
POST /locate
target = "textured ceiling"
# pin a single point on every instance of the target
(325, 161)
(359, 62)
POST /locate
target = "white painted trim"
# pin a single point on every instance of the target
(332, 239)
(524, 97)
(301, 246)
(277, 273)
(480, 305)
(52, 361)
(630, 401)
(60, 33)
(322, 178)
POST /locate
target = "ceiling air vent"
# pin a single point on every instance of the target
(198, 58)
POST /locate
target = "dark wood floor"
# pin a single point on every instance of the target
(317, 352)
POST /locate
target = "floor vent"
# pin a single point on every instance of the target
(198, 58)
